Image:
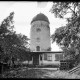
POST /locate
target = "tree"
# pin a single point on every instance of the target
(68, 37)
(61, 9)
(9, 40)
(6, 27)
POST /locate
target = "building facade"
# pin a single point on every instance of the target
(40, 34)
(40, 44)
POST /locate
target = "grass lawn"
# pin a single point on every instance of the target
(38, 73)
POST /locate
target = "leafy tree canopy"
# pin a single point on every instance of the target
(9, 40)
(68, 37)
(61, 9)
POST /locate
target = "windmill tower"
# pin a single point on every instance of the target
(40, 33)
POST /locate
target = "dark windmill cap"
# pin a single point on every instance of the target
(39, 17)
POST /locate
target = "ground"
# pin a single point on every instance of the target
(25, 72)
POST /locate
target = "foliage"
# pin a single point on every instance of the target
(68, 37)
(9, 40)
(7, 24)
(6, 28)
(61, 9)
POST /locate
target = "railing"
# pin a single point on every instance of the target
(74, 69)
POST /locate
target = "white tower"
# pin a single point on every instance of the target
(40, 33)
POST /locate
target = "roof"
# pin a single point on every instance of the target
(41, 17)
(48, 52)
(54, 52)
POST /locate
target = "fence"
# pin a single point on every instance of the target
(66, 64)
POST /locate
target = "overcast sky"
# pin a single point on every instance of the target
(25, 11)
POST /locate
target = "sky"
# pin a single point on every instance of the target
(24, 13)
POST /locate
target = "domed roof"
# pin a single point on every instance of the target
(41, 17)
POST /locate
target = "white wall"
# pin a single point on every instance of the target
(46, 62)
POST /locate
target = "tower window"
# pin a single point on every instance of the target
(38, 39)
(38, 48)
(38, 30)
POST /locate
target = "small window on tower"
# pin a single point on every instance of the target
(38, 39)
(38, 29)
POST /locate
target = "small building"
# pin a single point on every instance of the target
(40, 44)
(46, 58)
